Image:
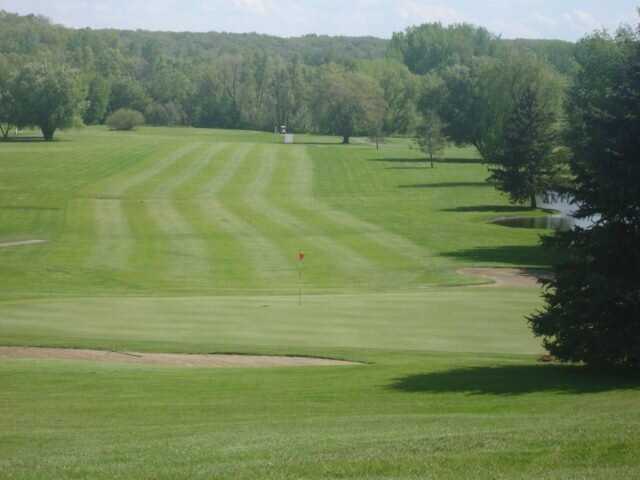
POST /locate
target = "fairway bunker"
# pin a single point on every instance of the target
(507, 277)
(168, 359)
(21, 243)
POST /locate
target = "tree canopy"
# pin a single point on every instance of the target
(522, 152)
(592, 306)
(48, 97)
(250, 80)
(348, 104)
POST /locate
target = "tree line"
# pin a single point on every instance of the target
(244, 81)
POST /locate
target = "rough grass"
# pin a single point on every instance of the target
(184, 240)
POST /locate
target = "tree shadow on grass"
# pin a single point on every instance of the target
(398, 160)
(447, 185)
(409, 167)
(518, 380)
(423, 160)
(462, 161)
(489, 209)
(532, 255)
(33, 139)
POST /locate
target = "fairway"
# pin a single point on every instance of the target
(186, 241)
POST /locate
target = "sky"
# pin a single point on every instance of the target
(561, 19)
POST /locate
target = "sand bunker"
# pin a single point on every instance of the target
(21, 243)
(507, 277)
(170, 359)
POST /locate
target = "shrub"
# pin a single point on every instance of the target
(125, 119)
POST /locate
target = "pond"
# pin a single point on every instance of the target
(563, 221)
(560, 222)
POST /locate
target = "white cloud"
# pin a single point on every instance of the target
(581, 20)
(417, 12)
(567, 19)
(544, 20)
(260, 7)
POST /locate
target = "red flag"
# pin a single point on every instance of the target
(301, 256)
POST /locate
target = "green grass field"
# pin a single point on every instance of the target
(186, 241)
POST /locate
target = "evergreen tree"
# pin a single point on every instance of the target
(523, 165)
(592, 311)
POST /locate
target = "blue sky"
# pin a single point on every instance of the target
(565, 19)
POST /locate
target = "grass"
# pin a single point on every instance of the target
(185, 240)
(212, 213)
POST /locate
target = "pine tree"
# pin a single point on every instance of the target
(592, 311)
(523, 164)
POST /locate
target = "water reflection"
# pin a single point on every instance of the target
(563, 221)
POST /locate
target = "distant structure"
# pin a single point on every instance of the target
(288, 137)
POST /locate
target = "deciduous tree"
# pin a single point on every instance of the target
(7, 103)
(430, 136)
(348, 104)
(48, 97)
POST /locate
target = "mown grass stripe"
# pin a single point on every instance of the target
(188, 256)
(217, 183)
(340, 256)
(303, 183)
(258, 258)
(123, 186)
(194, 186)
(148, 258)
(263, 258)
(194, 167)
(185, 250)
(113, 241)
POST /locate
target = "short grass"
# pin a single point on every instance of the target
(184, 240)
(166, 212)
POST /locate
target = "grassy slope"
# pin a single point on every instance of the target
(199, 230)
(195, 213)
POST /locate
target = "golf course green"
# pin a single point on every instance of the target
(179, 240)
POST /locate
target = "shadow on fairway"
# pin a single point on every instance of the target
(518, 380)
(24, 140)
(489, 209)
(531, 255)
(410, 167)
(422, 160)
(447, 185)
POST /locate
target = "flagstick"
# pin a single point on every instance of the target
(300, 284)
(300, 265)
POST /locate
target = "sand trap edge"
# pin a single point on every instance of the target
(22, 243)
(168, 359)
(507, 277)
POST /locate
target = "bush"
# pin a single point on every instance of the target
(125, 119)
